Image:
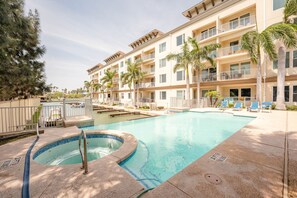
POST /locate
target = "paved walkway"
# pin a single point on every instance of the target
(254, 167)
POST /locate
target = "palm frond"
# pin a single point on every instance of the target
(250, 42)
(290, 9)
(286, 33)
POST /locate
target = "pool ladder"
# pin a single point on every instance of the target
(84, 157)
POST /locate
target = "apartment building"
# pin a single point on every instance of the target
(210, 21)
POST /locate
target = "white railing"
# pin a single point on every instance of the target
(149, 70)
(227, 51)
(148, 56)
(115, 80)
(25, 118)
(206, 78)
(241, 22)
(147, 85)
(146, 100)
(238, 74)
(206, 34)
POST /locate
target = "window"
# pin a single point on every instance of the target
(234, 69)
(180, 75)
(162, 95)
(128, 60)
(287, 59)
(246, 68)
(162, 62)
(246, 92)
(233, 92)
(233, 24)
(212, 31)
(245, 19)
(287, 93)
(295, 58)
(122, 64)
(122, 95)
(295, 93)
(277, 4)
(204, 34)
(180, 94)
(129, 95)
(234, 46)
(162, 47)
(163, 78)
(180, 40)
(275, 64)
(100, 73)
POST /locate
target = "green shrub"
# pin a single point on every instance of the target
(292, 108)
(160, 107)
(273, 106)
(231, 105)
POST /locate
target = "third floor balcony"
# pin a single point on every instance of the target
(238, 22)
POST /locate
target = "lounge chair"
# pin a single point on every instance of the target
(237, 106)
(266, 106)
(254, 106)
(224, 105)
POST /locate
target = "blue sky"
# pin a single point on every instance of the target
(78, 34)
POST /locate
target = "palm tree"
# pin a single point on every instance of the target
(198, 54)
(287, 40)
(254, 42)
(96, 86)
(107, 80)
(183, 60)
(87, 85)
(132, 77)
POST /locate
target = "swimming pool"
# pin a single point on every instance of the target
(66, 151)
(167, 144)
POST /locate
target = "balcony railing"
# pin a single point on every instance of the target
(206, 78)
(207, 34)
(238, 74)
(148, 57)
(115, 80)
(212, 55)
(149, 70)
(239, 23)
(147, 85)
(146, 100)
(235, 49)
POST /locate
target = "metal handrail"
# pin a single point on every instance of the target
(84, 157)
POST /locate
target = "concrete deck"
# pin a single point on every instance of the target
(254, 167)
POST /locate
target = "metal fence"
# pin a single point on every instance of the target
(52, 114)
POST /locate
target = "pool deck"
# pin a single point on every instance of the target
(255, 166)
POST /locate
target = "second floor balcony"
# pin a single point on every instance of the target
(147, 57)
(147, 84)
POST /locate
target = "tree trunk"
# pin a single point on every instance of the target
(134, 92)
(259, 82)
(138, 95)
(188, 87)
(111, 97)
(280, 100)
(198, 88)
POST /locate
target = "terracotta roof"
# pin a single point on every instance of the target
(95, 68)
(200, 8)
(114, 56)
(149, 36)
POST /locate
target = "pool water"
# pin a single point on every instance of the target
(67, 151)
(167, 144)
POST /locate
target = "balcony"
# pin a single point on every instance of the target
(232, 50)
(212, 55)
(238, 23)
(238, 74)
(206, 34)
(149, 71)
(147, 85)
(148, 57)
(146, 100)
(206, 78)
(115, 80)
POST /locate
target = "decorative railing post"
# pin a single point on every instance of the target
(64, 108)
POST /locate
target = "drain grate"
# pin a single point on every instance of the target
(213, 179)
(218, 157)
(10, 162)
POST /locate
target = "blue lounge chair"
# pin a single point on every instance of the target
(266, 106)
(237, 106)
(224, 104)
(254, 106)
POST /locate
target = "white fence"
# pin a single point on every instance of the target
(22, 118)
